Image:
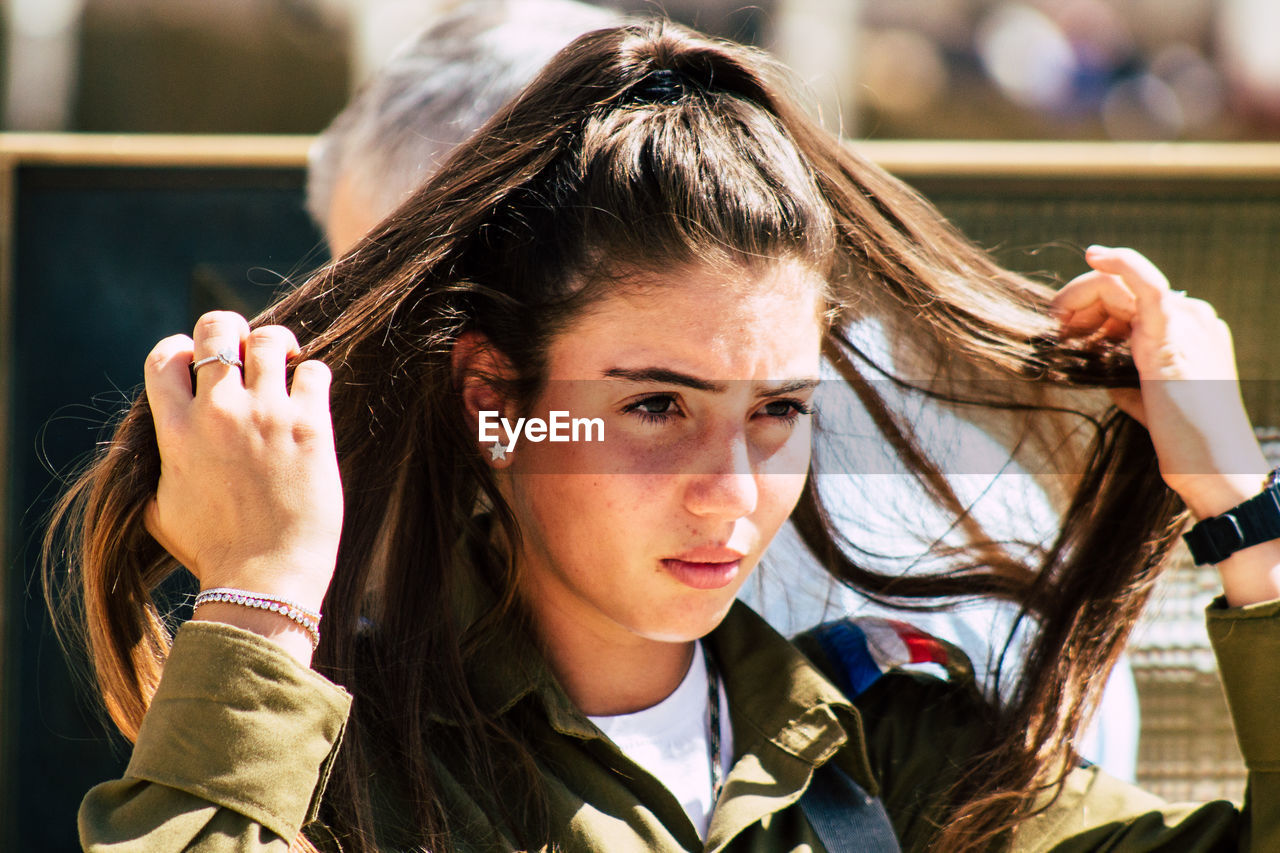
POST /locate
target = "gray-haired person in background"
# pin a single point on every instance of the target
(433, 92)
(441, 86)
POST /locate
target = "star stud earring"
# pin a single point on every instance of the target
(497, 451)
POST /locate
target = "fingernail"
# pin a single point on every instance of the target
(1095, 248)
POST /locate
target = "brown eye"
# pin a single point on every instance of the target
(655, 409)
(788, 411)
(655, 405)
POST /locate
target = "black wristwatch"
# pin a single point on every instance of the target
(1252, 522)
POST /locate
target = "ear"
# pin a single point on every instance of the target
(479, 369)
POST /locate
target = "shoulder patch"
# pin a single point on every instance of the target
(862, 649)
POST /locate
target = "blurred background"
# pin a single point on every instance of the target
(953, 69)
(102, 254)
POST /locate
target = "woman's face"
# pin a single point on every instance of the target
(702, 381)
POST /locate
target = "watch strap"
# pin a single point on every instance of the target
(1249, 523)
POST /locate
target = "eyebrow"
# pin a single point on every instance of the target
(674, 377)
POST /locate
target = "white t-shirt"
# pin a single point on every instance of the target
(671, 741)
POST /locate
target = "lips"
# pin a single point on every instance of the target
(705, 568)
(709, 554)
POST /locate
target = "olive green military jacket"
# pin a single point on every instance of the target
(234, 752)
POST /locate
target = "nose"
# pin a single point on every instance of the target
(724, 486)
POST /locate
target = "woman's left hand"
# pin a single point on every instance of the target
(1189, 397)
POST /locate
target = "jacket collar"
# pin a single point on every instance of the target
(777, 697)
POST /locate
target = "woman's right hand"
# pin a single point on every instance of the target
(249, 493)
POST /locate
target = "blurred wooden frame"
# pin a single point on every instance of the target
(21, 151)
(1077, 161)
(1023, 168)
(18, 150)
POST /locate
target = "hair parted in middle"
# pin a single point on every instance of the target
(639, 149)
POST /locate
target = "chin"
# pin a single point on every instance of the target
(693, 624)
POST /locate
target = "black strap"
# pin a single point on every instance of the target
(1250, 523)
(846, 818)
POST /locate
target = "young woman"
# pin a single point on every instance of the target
(533, 644)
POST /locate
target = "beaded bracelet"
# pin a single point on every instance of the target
(308, 619)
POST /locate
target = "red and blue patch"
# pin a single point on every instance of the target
(866, 648)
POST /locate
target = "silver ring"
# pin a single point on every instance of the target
(1177, 293)
(229, 357)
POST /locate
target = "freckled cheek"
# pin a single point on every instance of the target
(585, 497)
(584, 458)
(625, 515)
(622, 453)
(631, 497)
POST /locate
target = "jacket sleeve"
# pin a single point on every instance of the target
(921, 731)
(233, 753)
(1097, 812)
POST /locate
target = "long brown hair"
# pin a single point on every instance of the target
(643, 147)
